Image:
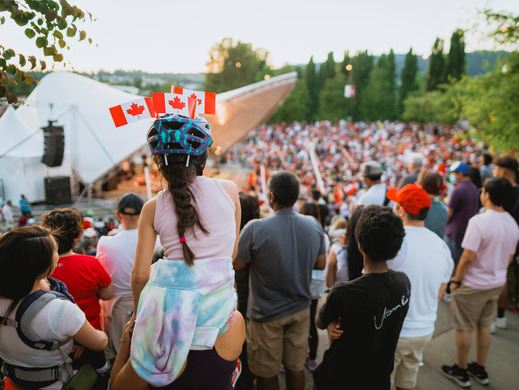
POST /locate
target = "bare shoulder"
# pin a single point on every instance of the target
(230, 187)
(148, 210)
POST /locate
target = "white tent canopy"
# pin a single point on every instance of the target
(20, 151)
(93, 145)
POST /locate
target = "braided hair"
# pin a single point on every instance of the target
(179, 177)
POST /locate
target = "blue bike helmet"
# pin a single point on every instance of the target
(178, 134)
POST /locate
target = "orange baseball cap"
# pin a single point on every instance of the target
(411, 197)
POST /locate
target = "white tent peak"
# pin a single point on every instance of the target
(18, 138)
(93, 144)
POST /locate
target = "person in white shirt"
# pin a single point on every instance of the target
(426, 259)
(28, 255)
(7, 213)
(117, 255)
(376, 193)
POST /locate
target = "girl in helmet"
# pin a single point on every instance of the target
(187, 332)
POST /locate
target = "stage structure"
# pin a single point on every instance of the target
(93, 146)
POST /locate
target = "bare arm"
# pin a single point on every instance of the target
(106, 293)
(450, 213)
(441, 292)
(91, 338)
(331, 269)
(238, 265)
(123, 375)
(232, 191)
(144, 253)
(466, 259)
(320, 263)
(319, 324)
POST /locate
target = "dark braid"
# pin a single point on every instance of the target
(179, 177)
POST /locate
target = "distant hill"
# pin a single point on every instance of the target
(477, 62)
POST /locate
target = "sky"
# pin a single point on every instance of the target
(176, 36)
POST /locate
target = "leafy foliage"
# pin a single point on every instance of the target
(506, 27)
(295, 108)
(491, 104)
(379, 96)
(440, 106)
(51, 24)
(312, 86)
(235, 64)
(455, 67)
(436, 69)
(408, 79)
(362, 64)
(333, 105)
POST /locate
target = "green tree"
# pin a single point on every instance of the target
(332, 103)
(362, 65)
(455, 67)
(408, 79)
(51, 24)
(377, 101)
(436, 69)
(391, 109)
(491, 104)
(346, 65)
(235, 64)
(327, 69)
(440, 106)
(295, 108)
(312, 86)
(505, 27)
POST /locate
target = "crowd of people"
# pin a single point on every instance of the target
(203, 288)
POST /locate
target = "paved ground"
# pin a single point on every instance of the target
(503, 363)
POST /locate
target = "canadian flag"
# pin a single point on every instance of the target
(185, 102)
(197, 101)
(168, 103)
(132, 111)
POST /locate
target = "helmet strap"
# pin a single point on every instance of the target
(187, 161)
(166, 159)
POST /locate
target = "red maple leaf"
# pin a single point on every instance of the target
(199, 101)
(135, 109)
(177, 103)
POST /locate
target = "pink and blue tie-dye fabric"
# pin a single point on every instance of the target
(181, 308)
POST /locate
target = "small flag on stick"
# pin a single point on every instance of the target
(132, 111)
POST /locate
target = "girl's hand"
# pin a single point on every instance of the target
(334, 331)
(128, 329)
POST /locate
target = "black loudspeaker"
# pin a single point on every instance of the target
(57, 190)
(54, 145)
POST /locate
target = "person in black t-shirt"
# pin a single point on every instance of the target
(364, 317)
(508, 168)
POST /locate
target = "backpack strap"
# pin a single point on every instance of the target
(30, 306)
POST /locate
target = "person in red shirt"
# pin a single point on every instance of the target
(85, 277)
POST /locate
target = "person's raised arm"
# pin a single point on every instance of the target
(144, 253)
(232, 191)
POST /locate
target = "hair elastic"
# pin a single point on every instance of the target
(182, 240)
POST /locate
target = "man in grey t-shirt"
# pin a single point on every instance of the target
(281, 251)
